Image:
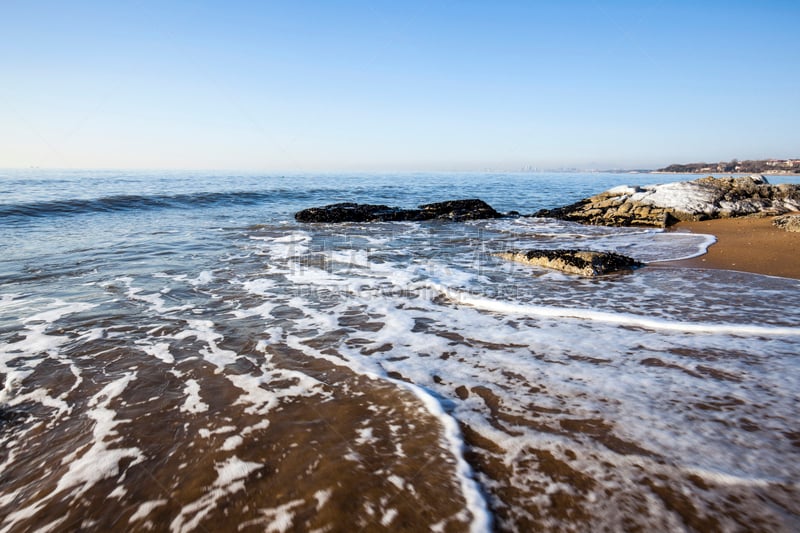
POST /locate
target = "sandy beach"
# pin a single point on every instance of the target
(746, 244)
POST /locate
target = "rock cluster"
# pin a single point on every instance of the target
(663, 205)
(582, 262)
(455, 210)
(788, 222)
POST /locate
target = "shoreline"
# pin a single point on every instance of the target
(746, 244)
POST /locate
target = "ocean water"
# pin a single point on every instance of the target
(178, 354)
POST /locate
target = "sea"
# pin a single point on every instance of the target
(177, 353)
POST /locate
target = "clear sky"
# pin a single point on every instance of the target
(396, 85)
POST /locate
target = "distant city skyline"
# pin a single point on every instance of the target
(382, 86)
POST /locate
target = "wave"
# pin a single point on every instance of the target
(134, 202)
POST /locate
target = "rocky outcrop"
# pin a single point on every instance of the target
(348, 212)
(582, 262)
(612, 209)
(663, 205)
(455, 210)
(788, 222)
(459, 210)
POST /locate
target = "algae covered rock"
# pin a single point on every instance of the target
(582, 262)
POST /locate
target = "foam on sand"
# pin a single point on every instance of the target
(603, 375)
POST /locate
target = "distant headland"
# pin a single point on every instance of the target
(761, 166)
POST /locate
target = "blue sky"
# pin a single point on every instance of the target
(374, 85)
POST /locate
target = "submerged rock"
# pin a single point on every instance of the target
(455, 210)
(583, 262)
(788, 222)
(663, 205)
(9, 417)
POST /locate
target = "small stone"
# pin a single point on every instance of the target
(788, 222)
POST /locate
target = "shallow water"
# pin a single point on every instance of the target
(177, 353)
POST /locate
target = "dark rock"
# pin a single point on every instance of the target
(583, 262)
(455, 210)
(663, 205)
(10, 417)
(458, 210)
(462, 392)
(351, 212)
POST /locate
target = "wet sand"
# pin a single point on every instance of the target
(748, 245)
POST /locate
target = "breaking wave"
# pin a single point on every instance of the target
(20, 212)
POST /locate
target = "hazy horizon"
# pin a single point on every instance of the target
(382, 87)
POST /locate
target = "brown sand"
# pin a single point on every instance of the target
(746, 244)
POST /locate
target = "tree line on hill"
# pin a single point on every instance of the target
(760, 166)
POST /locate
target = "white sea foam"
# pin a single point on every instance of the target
(264, 310)
(621, 319)
(60, 309)
(643, 244)
(159, 350)
(204, 278)
(293, 244)
(475, 502)
(25, 513)
(230, 479)
(364, 436)
(193, 404)
(101, 460)
(233, 470)
(20, 359)
(595, 358)
(322, 497)
(275, 520)
(144, 509)
(232, 442)
(206, 433)
(388, 517)
(203, 331)
(685, 241)
(6, 299)
(155, 300)
(261, 286)
(351, 257)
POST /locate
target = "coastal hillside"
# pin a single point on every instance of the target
(760, 166)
